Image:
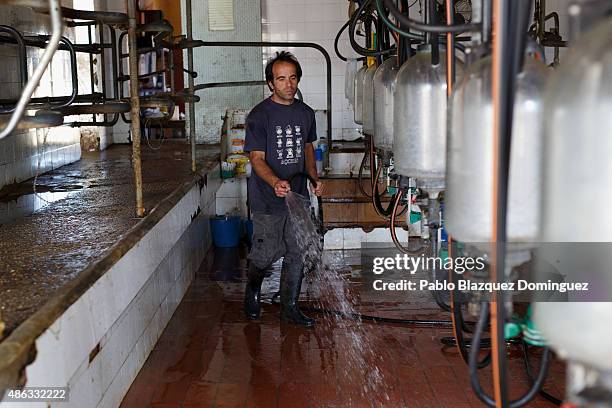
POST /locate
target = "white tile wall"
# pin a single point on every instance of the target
(316, 21)
(23, 152)
(352, 238)
(232, 196)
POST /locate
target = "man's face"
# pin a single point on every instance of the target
(284, 85)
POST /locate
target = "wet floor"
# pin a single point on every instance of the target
(80, 211)
(210, 355)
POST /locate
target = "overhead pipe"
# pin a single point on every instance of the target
(57, 27)
(427, 28)
(83, 98)
(104, 17)
(135, 102)
(209, 85)
(107, 17)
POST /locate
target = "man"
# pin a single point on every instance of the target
(279, 136)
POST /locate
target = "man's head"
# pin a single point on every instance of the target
(283, 73)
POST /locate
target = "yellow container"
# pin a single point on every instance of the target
(240, 161)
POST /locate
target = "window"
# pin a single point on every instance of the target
(220, 15)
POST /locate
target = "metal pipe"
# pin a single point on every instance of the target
(91, 66)
(192, 44)
(49, 101)
(99, 109)
(171, 68)
(106, 123)
(227, 84)
(125, 78)
(73, 74)
(41, 41)
(120, 66)
(192, 134)
(57, 26)
(135, 102)
(23, 61)
(450, 49)
(102, 63)
(106, 17)
(115, 61)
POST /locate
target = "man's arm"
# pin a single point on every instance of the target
(311, 168)
(258, 162)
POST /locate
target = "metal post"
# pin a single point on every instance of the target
(135, 102)
(192, 135)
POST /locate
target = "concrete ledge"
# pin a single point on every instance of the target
(96, 332)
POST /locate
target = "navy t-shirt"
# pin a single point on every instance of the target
(281, 131)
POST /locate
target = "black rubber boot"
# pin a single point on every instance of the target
(290, 287)
(252, 292)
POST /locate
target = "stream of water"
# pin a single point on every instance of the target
(360, 358)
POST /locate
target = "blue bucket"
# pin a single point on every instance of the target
(225, 231)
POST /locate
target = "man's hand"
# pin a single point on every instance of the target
(281, 188)
(317, 188)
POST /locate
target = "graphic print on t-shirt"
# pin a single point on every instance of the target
(292, 153)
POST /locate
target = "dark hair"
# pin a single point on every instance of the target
(284, 56)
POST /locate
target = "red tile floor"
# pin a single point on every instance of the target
(211, 356)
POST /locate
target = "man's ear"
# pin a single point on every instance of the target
(271, 86)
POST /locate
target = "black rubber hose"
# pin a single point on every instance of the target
(435, 50)
(473, 360)
(358, 48)
(461, 341)
(376, 201)
(473, 357)
(360, 174)
(437, 294)
(337, 39)
(394, 238)
(419, 38)
(543, 393)
(427, 28)
(379, 319)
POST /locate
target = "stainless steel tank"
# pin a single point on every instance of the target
(470, 156)
(576, 197)
(358, 106)
(419, 121)
(368, 100)
(384, 87)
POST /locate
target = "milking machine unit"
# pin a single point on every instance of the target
(488, 189)
(578, 103)
(516, 166)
